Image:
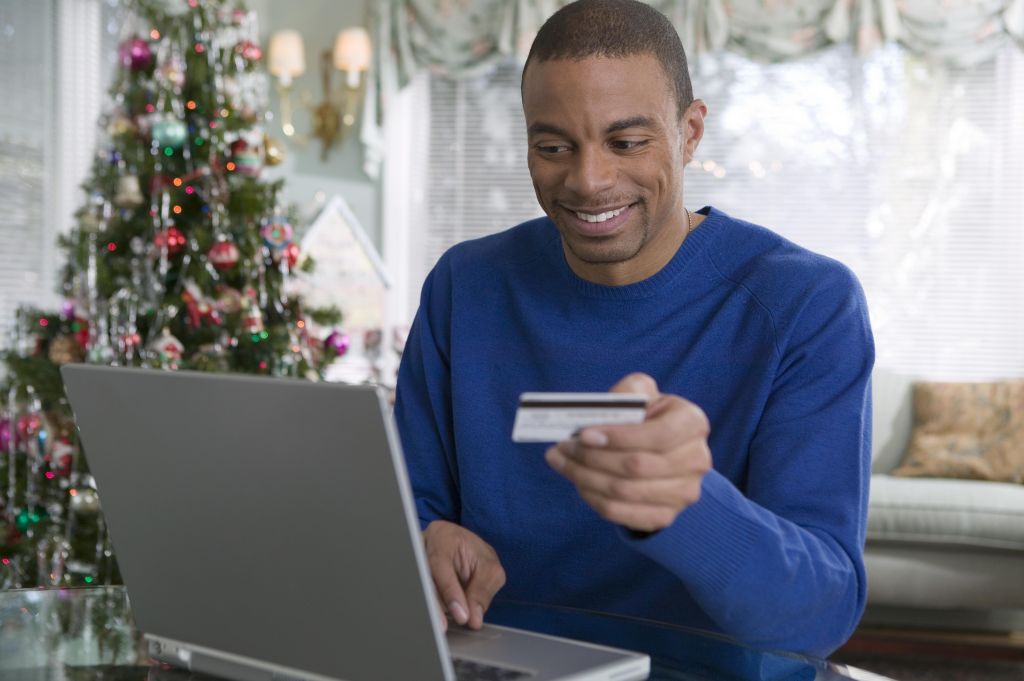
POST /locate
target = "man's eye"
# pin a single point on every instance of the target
(626, 145)
(552, 148)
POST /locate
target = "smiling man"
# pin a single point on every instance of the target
(739, 504)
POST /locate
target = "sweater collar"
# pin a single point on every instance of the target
(691, 246)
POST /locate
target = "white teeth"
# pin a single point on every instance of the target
(600, 217)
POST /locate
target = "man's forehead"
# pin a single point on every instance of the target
(607, 92)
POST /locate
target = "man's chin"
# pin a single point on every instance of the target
(606, 251)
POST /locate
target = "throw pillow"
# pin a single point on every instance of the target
(967, 430)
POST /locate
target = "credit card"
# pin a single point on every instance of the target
(553, 417)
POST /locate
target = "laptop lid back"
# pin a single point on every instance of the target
(266, 518)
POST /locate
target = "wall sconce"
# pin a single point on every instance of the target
(335, 115)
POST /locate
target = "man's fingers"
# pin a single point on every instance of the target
(486, 581)
(449, 589)
(637, 383)
(693, 458)
(442, 610)
(676, 490)
(670, 421)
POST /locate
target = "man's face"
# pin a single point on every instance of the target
(607, 152)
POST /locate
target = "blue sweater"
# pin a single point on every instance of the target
(770, 340)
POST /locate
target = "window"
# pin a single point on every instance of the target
(52, 71)
(907, 172)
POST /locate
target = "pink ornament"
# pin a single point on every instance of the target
(337, 342)
(277, 233)
(29, 426)
(249, 50)
(7, 435)
(135, 54)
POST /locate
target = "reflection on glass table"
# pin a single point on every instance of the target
(88, 634)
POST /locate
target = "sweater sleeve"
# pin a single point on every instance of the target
(423, 411)
(778, 561)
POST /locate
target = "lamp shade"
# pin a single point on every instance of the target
(287, 57)
(352, 50)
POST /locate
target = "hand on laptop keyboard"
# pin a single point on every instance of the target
(466, 572)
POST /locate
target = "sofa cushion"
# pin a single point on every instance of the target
(967, 513)
(967, 430)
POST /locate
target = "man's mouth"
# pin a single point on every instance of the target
(599, 222)
(600, 217)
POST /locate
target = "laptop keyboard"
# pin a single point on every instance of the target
(468, 670)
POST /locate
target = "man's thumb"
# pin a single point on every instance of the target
(637, 383)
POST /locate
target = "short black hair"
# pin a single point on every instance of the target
(614, 29)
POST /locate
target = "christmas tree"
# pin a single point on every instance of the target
(180, 258)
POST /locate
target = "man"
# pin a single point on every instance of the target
(739, 503)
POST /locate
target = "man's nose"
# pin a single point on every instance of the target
(590, 173)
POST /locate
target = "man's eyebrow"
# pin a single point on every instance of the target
(632, 122)
(541, 128)
(546, 129)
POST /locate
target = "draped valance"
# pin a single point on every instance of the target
(462, 38)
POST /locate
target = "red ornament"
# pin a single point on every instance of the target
(224, 255)
(171, 238)
(291, 254)
(82, 334)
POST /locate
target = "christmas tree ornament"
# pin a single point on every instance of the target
(129, 193)
(223, 255)
(136, 54)
(8, 436)
(29, 426)
(337, 343)
(167, 348)
(198, 306)
(277, 233)
(173, 71)
(169, 132)
(291, 254)
(65, 349)
(81, 332)
(120, 126)
(62, 457)
(274, 153)
(170, 239)
(229, 299)
(249, 51)
(246, 158)
(67, 310)
(252, 319)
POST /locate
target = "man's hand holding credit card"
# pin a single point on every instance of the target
(635, 455)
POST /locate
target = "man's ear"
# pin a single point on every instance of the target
(691, 123)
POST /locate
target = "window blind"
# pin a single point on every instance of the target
(53, 71)
(904, 170)
(26, 39)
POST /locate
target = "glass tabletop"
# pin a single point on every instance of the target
(88, 634)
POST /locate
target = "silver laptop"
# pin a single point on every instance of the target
(265, 530)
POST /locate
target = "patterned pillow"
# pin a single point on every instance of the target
(967, 430)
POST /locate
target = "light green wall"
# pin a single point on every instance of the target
(305, 174)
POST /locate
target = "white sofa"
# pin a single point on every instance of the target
(940, 552)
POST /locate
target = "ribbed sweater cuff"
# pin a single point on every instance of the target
(709, 542)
